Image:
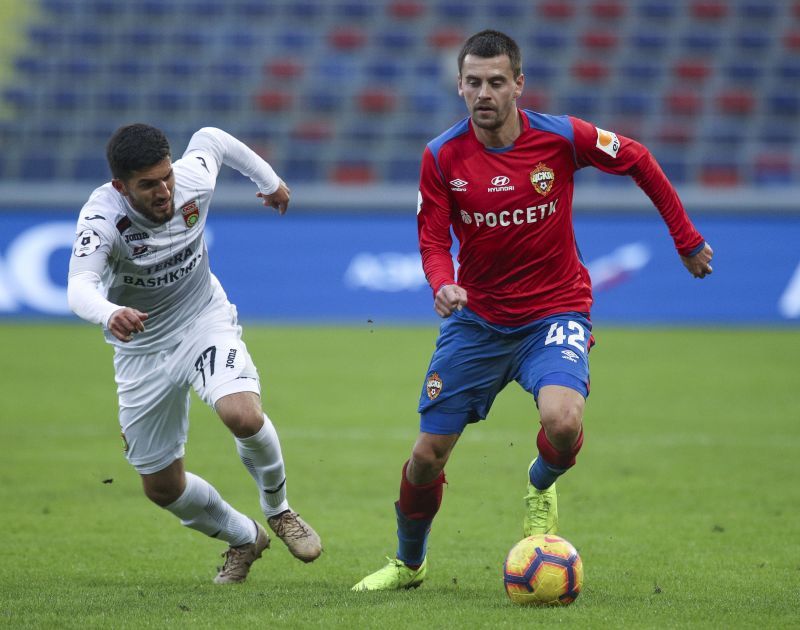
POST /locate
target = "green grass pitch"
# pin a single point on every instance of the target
(685, 504)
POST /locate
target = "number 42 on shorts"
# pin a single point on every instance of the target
(557, 336)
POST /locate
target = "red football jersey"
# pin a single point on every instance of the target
(511, 211)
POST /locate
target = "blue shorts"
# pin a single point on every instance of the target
(474, 360)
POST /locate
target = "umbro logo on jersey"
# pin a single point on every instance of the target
(500, 184)
(459, 185)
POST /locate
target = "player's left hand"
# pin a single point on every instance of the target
(699, 265)
(279, 199)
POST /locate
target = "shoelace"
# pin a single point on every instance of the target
(290, 527)
(233, 559)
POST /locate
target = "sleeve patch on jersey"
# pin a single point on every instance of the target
(86, 243)
(607, 142)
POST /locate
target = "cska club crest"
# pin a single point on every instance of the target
(191, 213)
(433, 386)
(542, 178)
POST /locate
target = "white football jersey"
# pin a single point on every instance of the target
(162, 270)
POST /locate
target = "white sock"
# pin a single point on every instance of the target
(202, 508)
(261, 455)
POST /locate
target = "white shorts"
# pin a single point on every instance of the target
(153, 388)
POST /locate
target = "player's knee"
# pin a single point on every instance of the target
(563, 424)
(426, 463)
(162, 493)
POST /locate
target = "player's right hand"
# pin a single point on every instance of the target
(449, 298)
(125, 322)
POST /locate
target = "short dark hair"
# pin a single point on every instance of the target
(135, 147)
(489, 44)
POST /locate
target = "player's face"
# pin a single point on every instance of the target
(151, 191)
(489, 89)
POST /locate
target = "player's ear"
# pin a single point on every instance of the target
(119, 186)
(520, 84)
(460, 91)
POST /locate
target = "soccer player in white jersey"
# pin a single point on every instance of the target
(140, 269)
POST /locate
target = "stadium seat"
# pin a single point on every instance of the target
(447, 37)
(347, 38)
(273, 101)
(556, 9)
(449, 10)
(355, 9)
(642, 71)
(590, 71)
(607, 9)
(91, 167)
(635, 103)
(375, 101)
(405, 9)
(660, 10)
(692, 70)
(535, 99)
(38, 165)
(702, 42)
(599, 40)
(683, 102)
(735, 101)
(773, 168)
(284, 68)
(719, 172)
(783, 104)
(402, 169)
(353, 173)
(709, 9)
(751, 10)
(505, 9)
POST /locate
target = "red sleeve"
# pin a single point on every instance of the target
(623, 156)
(433, 225)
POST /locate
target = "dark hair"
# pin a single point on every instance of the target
(135, 147)
(489, 44)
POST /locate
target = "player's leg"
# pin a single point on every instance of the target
(260, 451)
(154, 420)
(199, 506)
(421, 488)
(227, 380)
(554, 367)
(469, 367)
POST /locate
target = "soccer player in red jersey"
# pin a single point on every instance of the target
(502, 179)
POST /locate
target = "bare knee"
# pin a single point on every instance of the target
(562, 417)
(165, 486)
(241, 413)
(429, 456)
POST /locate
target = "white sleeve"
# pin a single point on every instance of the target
(226, 149)
(86, 300)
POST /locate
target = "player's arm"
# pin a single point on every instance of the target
(87, 264)
(620, 155)
(222, 148)
(433, 225)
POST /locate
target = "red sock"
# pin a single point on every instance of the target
(420, 502)
(554, 457)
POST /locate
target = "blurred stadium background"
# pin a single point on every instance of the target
(341, 97)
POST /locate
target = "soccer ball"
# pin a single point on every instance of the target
(543, 570)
